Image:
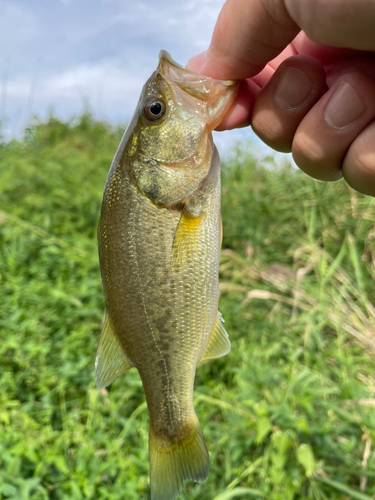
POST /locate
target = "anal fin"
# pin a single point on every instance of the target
(218, 343)
(110, 361)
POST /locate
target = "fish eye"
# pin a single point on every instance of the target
(154, 109)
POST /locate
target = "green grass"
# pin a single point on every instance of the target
(287, 415)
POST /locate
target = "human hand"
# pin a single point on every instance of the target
(308, 80)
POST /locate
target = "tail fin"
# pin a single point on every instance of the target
(173, 460)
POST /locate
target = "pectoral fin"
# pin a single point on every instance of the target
(186, 239)
(218, 344)
(110, 361)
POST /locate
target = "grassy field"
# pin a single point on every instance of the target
(289, 414)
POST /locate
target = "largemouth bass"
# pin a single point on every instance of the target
(159, 244)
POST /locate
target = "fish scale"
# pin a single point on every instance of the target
(159, 255)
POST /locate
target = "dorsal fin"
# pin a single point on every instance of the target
(110, 361)
(218, 343)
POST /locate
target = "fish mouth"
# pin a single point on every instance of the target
(216, 96)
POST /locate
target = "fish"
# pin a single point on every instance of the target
(159, 240)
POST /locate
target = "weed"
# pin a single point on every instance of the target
(287, 415)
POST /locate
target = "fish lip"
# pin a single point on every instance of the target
(163, 54)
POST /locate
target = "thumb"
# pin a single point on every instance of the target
(247, 35)
(250, 33)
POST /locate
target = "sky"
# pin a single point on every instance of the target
(61, 55)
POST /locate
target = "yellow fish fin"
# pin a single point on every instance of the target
(176, 459)
(110, 361)
(218, 343)
(185, 239)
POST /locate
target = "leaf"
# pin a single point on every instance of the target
(305, 457)
(263, 428)
(240, 492)
(344, 489)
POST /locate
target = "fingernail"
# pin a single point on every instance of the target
(344, 107)
(292, 89)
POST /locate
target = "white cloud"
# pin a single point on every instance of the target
(116, 81)
(111, 92)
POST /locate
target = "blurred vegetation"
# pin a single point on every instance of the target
(287, 415)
